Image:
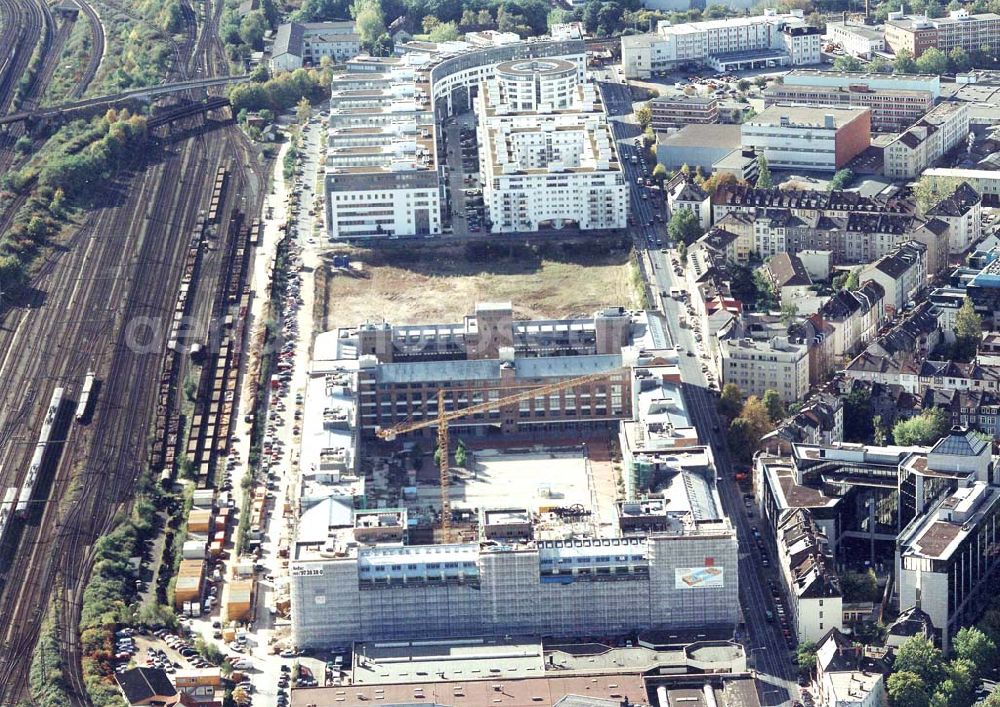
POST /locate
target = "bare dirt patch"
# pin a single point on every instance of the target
(412, 285)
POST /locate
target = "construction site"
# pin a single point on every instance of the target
(522, 526)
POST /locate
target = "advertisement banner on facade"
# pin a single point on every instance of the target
(698, 577)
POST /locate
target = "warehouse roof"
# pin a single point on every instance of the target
(715, 136)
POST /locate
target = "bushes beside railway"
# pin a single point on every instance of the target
(104, 599)
(282, 92)
(74, 161)
(46, 680)
(82, 169)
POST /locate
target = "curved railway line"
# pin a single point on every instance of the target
(23, 24)
(96, 49)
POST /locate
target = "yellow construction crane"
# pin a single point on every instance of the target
(444, 417)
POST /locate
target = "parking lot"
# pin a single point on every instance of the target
(462, 156)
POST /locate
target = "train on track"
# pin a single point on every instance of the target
(42, 452)
(84, 404)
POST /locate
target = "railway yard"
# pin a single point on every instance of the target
(90, 355)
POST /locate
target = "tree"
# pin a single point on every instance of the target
(993, 699)
(841, 179)
(968, 331)
(461, 455)
(959, 60)
(847, 63)
(788, 313)
(879, 65)
(805, 655)
(924, 429)
(858, 415)
(930, 191)
(859, 586)
(429, 23)
(772, 402)
(444, 32)
(973, 645)
(644, 115)
(846, 280)
(252, 29)
(241, 696)
(718, 179)
(682, 253)
(730, 400)
(907, 689)
(369, 21)
(382, 45)
(741, 440)
(959, 687)
(932, 61)
(904, 63)
(659, 173)
(764, 180)
(743, 85)
(880, 433)
(683, 227)
(437, 456)
(919, 656)
(303, 110)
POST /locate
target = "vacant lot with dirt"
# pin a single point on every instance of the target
(442, 284)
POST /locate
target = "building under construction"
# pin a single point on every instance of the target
(541, 544)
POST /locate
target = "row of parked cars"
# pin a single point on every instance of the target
(782, 614)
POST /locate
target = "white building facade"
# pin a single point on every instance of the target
(548, 157)
(704, 42)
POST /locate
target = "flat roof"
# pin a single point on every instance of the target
(802, 116)
(505, 692)
(711, 135)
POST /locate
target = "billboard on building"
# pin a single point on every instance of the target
(698, 577)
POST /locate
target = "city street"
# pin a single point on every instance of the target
(768, 654)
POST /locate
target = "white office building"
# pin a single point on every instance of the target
(761, 41)
(548, 157)
(801, 137)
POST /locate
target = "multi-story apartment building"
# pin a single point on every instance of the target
(892, 109)
(902, 275)
(801, 137)
(771, 39)
(856, 38)
(684, 194)
(678, 110)
(855, 318)
(548, 156)
(758, 366)
(918, 33)
(527, 556)
(298, 44)
(923, 144)
(853, 228)
(809, 573)
(382, 177)
(962, 211)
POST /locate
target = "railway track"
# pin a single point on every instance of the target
(23, 24)
(96, 49)
(121, 267)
